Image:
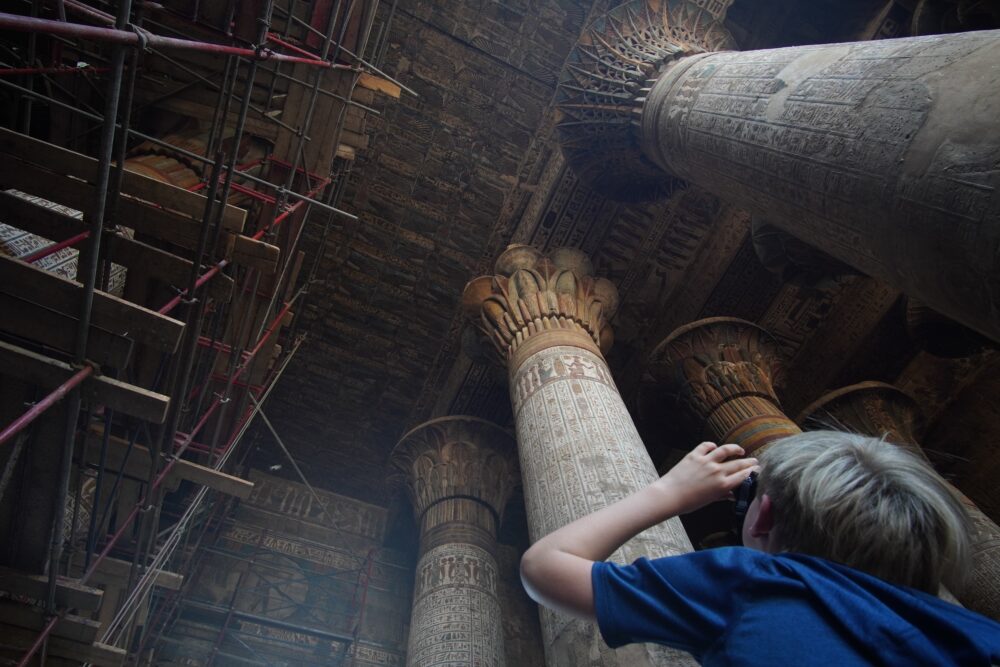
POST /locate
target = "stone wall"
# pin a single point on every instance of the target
(293, 570)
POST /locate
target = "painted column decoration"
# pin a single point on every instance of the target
(459, 474)
(718, 374)
(547, 317)
(879, 409)
(878, 153)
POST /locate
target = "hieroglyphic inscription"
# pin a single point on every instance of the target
(579, 452)
(340, 512)
(363, 654)
(383, 574)
(817, 135)
(16, 242)
(456, 611)
(572, 363)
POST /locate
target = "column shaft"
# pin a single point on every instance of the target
(878, 153)
(580, 452)
(456, 605)
(459, 472)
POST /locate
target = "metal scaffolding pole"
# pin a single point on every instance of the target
(87, 266)
(148, 549)
(142, 39)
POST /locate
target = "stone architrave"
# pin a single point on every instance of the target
(881, 154)
(547, 317)
(459, 472)
(718, 374)
(879, 409)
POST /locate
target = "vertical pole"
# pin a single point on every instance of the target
(89, 281)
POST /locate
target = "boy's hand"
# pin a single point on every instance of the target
(705, 475)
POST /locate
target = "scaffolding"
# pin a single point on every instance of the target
(140, 390)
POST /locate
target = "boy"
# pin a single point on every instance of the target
(849, 539)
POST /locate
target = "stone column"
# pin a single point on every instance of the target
(718, 374)
(880, 153)
(547, 318)
(459, 473)
(879, 409)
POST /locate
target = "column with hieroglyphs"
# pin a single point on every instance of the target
(459, 472)
(880, 153)
(880, 409)
(547, 317)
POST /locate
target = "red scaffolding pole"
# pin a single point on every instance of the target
(131, 38)
(41, 406)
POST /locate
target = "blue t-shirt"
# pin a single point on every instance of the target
(744, 607)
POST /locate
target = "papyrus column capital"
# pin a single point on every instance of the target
(871, 408)
(606, 80)
(457, 457)
(719, 374)
(534, 301)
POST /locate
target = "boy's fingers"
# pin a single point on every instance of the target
(705, 448)
(727, 451)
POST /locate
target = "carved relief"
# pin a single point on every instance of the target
(870, 408)
(533, 294)
(580, 452)
(295, 500)
(460, 472)
(825, 138)
(718, 375)
(457, 457)
(603, 88)
(456, 611)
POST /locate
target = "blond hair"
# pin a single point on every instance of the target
(869, 504)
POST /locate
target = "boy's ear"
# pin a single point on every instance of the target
(763, 523)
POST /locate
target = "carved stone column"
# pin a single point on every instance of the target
(878, 153)
(876, 408)
(459, 473)
(579, 451)
(718, 374)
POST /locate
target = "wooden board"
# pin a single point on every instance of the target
(114, 568)
(130, 253)
(137, 466)
(58, 330)
(163, 266)
(26, 616)
(63, 161)
(60, 647)
(133, 213)
(80, 195)
(257, 254)
(69, 593)
(372, 82)
(49, 373)
(110, 313)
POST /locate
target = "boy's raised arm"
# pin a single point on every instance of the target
(555, 571)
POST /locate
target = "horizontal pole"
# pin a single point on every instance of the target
(41, 406)
(271, 37)
(174, 302)
(48, 250)
(177, 149)
(19, 71)
(144, 38)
